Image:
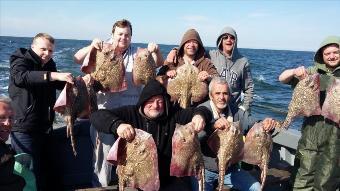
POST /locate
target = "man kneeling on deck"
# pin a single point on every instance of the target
(155, 115)
(223, 114)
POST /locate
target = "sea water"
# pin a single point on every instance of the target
(271, 98)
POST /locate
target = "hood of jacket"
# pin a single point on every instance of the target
(153, 88)
(192, 34)
(19, 53)
(318, 57)
(26, 54)
(228, 30)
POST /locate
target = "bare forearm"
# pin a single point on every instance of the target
(286, 76)
(155, 51)
(158, 57)
(81, 54)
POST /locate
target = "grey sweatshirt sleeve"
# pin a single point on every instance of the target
(248, 87)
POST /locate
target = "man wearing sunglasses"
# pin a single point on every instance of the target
(234, 67)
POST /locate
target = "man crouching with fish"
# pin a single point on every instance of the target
(154, 114)
(223, 115)
(317, 160)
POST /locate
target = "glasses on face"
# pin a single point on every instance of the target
(226, 36)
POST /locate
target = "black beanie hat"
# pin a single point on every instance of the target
(152, 88)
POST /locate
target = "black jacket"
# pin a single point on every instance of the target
(161, 128)
(31, 91)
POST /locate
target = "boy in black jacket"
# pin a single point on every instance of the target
(32, 88)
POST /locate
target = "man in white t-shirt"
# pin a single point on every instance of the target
(121, 35)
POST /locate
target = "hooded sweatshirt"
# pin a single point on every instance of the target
(319, 136)
(319, 64)
(162, 128)
(326, 74)
(202, 63)
(234, 69)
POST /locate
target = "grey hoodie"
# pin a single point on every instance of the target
(235, 69)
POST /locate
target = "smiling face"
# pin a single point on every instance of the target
(6, 115)
(154, 107)
(219, 95)
(228, 42)
(122, 35)
(43, 48)
(331, 56)
(191, 48)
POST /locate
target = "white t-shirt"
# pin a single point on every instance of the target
(110, 100)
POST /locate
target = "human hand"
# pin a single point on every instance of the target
(126, 131)
(171, 58)
(60, 76)
(268, 124)
(222, 123)
(300, 72)
(198, 123)
(153, 47)
(203, 75)
(97, 43)
(171, 73)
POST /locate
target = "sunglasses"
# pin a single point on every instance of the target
(226, 36)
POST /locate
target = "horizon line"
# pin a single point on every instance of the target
(276, 49)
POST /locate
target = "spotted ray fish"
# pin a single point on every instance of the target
(257, 148)
(228, 145)
(137, 162)
(187, 158)
(106, 67)
(144, 67)
(75, 101)
(305, 99)
(186, 87)
(331, 105)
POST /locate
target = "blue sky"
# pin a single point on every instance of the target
(268, 24)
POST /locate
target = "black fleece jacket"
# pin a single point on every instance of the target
(33, 94)
(161, 128)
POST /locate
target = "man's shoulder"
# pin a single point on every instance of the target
(206, 104)
(214, 52)
(241, 59)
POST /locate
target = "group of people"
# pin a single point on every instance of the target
(34, 80)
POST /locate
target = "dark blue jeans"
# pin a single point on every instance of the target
(38, 145)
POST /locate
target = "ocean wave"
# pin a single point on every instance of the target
(66, 50)
(257, 97)
(4, 88)
(278, 109)
(4, 64)
(260, 78)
